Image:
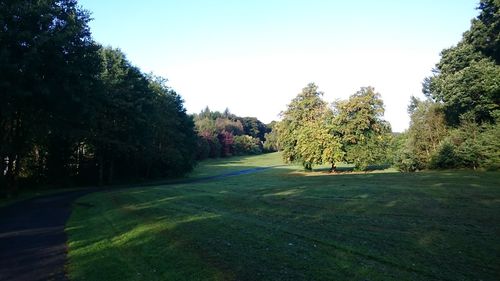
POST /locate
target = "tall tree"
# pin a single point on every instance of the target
(304, 134)
(48, 68)
(467, 78)
(427, 130)
(358, 122)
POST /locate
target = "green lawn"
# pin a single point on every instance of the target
(211, 167)
(284, 224)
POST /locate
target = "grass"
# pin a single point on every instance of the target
(211, 167)
(284, 224)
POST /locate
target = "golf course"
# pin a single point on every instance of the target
(283, 223)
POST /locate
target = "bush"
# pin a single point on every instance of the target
(405, 161)
(244, 145)
(445, 157)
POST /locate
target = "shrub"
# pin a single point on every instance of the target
(244, 145)
(445, 157)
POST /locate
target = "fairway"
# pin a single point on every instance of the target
(284, 224)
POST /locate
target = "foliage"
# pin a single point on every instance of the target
(467, 78)
(74, 112)
(458, 125)
(444, 157)
(484, 33)
(427, 130)
(253, 127)
(247, 145)
(354, 132)
(406, 161)
(48, 64)
(271, 138)
(365, 136)
(475, 146)
(224, 134)
(304, 134)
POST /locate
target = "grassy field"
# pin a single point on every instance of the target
(284, 224)
(211, 167)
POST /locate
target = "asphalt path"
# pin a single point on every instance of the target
(32, 238)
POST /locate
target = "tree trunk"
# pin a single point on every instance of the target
(11, 175)
(111, 171)
(333, 169)
(100, 163)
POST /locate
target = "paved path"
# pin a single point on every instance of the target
(32, 237)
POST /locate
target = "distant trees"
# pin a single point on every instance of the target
(456, 126)
(74, 112)
(312, 133)
(271, 137)
(225, 134)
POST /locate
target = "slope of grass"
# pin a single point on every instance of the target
(282, 224)
(211, 167)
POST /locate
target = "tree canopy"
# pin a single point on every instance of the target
(73, 112)
(312, 133)
(456, 125)
(467, 78)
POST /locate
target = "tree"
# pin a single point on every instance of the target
(223, 134)
(484, 33)
(427, 129)
(271, 138)
(253, 127)
(467, 79)
(245, 144)
(304, 134)
(457, 125)
(140, 128)
(365, 136)
(48, 66)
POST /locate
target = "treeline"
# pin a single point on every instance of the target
(457, 126)
(225, 134)
(74, 112)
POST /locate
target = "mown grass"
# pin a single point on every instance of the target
(211, 167)
(284, 224)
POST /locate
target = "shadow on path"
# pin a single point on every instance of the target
(32, 237)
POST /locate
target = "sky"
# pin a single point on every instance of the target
(254, 57)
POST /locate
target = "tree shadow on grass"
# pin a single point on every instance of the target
(357, 226)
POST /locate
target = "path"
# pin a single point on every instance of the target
(32, 237)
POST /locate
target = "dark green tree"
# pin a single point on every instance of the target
(253, 127)
(467, 78)
(48, 67)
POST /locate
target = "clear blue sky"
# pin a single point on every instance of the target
(255, 56)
